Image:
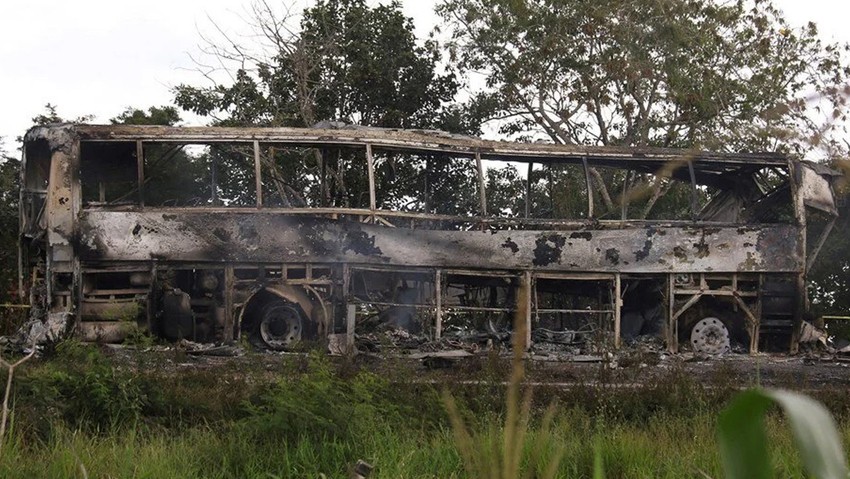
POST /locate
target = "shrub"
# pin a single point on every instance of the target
(320, 404)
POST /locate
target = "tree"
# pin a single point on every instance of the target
(345, 62)
(9, 188)
(725, 76)
(729, 76)
(164, 115)
(51, 115)
(173, 175)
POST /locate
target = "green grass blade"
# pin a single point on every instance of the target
(743, 442)
(815, 434)
(598, 466)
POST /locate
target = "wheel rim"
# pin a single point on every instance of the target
(710, 336)
(280, 326)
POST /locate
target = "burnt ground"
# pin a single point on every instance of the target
(629, 368)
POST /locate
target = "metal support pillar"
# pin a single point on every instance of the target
(618, 303)
(672, 330)
(589, 184)
(258, 174)
(694, 192)
(526, 307)
(528, 189)
(370, 164)
(482, 191)
(140, 171)
(229, 318)
(438, 299)
(350, 308)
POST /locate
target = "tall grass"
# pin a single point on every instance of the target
(311, 416)
(666, 448)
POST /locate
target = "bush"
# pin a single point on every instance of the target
(320, 404)
(81, 388)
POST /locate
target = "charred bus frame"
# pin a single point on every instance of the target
(281, 273)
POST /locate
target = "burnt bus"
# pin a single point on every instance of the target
(284, 235)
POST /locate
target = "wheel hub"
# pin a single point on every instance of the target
(710, 336)
(280, 326)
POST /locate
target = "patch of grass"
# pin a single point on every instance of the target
(302, 416)
(666, 447)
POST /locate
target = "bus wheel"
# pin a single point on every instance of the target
(710, 336)
(280, 326)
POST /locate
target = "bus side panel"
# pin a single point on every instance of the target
(247, 237)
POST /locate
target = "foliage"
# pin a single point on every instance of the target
(84, 391)
(829, 282)
(262, 416)
(344, 62)
(173, 175)
(9, 188)
(164, 115)
(349, 62)
(743, 441)
(321, 405)
(721, 76)
(51, 115)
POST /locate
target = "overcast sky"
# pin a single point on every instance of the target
(96, 57)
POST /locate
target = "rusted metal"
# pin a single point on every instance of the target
(617, 304)
(229, 319)
(414, 140)
(525, 307)
(528, 188)
(240, 237)
(794, 179)
(258, 174)
(140, 172)
(370, 165)
(813, 256)
(589, 185)
(438, 303)
(694, 192)
(482, 191)
(224, 256)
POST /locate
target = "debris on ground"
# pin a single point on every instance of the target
(209, 349)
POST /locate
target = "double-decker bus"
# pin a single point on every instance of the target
(284, 235)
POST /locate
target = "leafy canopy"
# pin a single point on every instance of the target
(346, 62)
(681, 73)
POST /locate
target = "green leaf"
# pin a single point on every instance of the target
(598, 465)
(743, 441)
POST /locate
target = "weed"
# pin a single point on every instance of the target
(139, 337)
(320, 405)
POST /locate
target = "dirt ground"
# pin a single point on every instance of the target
(629, 368)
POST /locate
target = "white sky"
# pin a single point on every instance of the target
(100, 56)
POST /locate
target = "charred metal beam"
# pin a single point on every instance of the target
(267, 238)
(694, 193)
(528, 189)
(813, 256)
(589, 186)
(482, 192)
(370, 165)
(140, 171)
(438, 303)
(258, 174)
(618, 304)
(418, 140)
